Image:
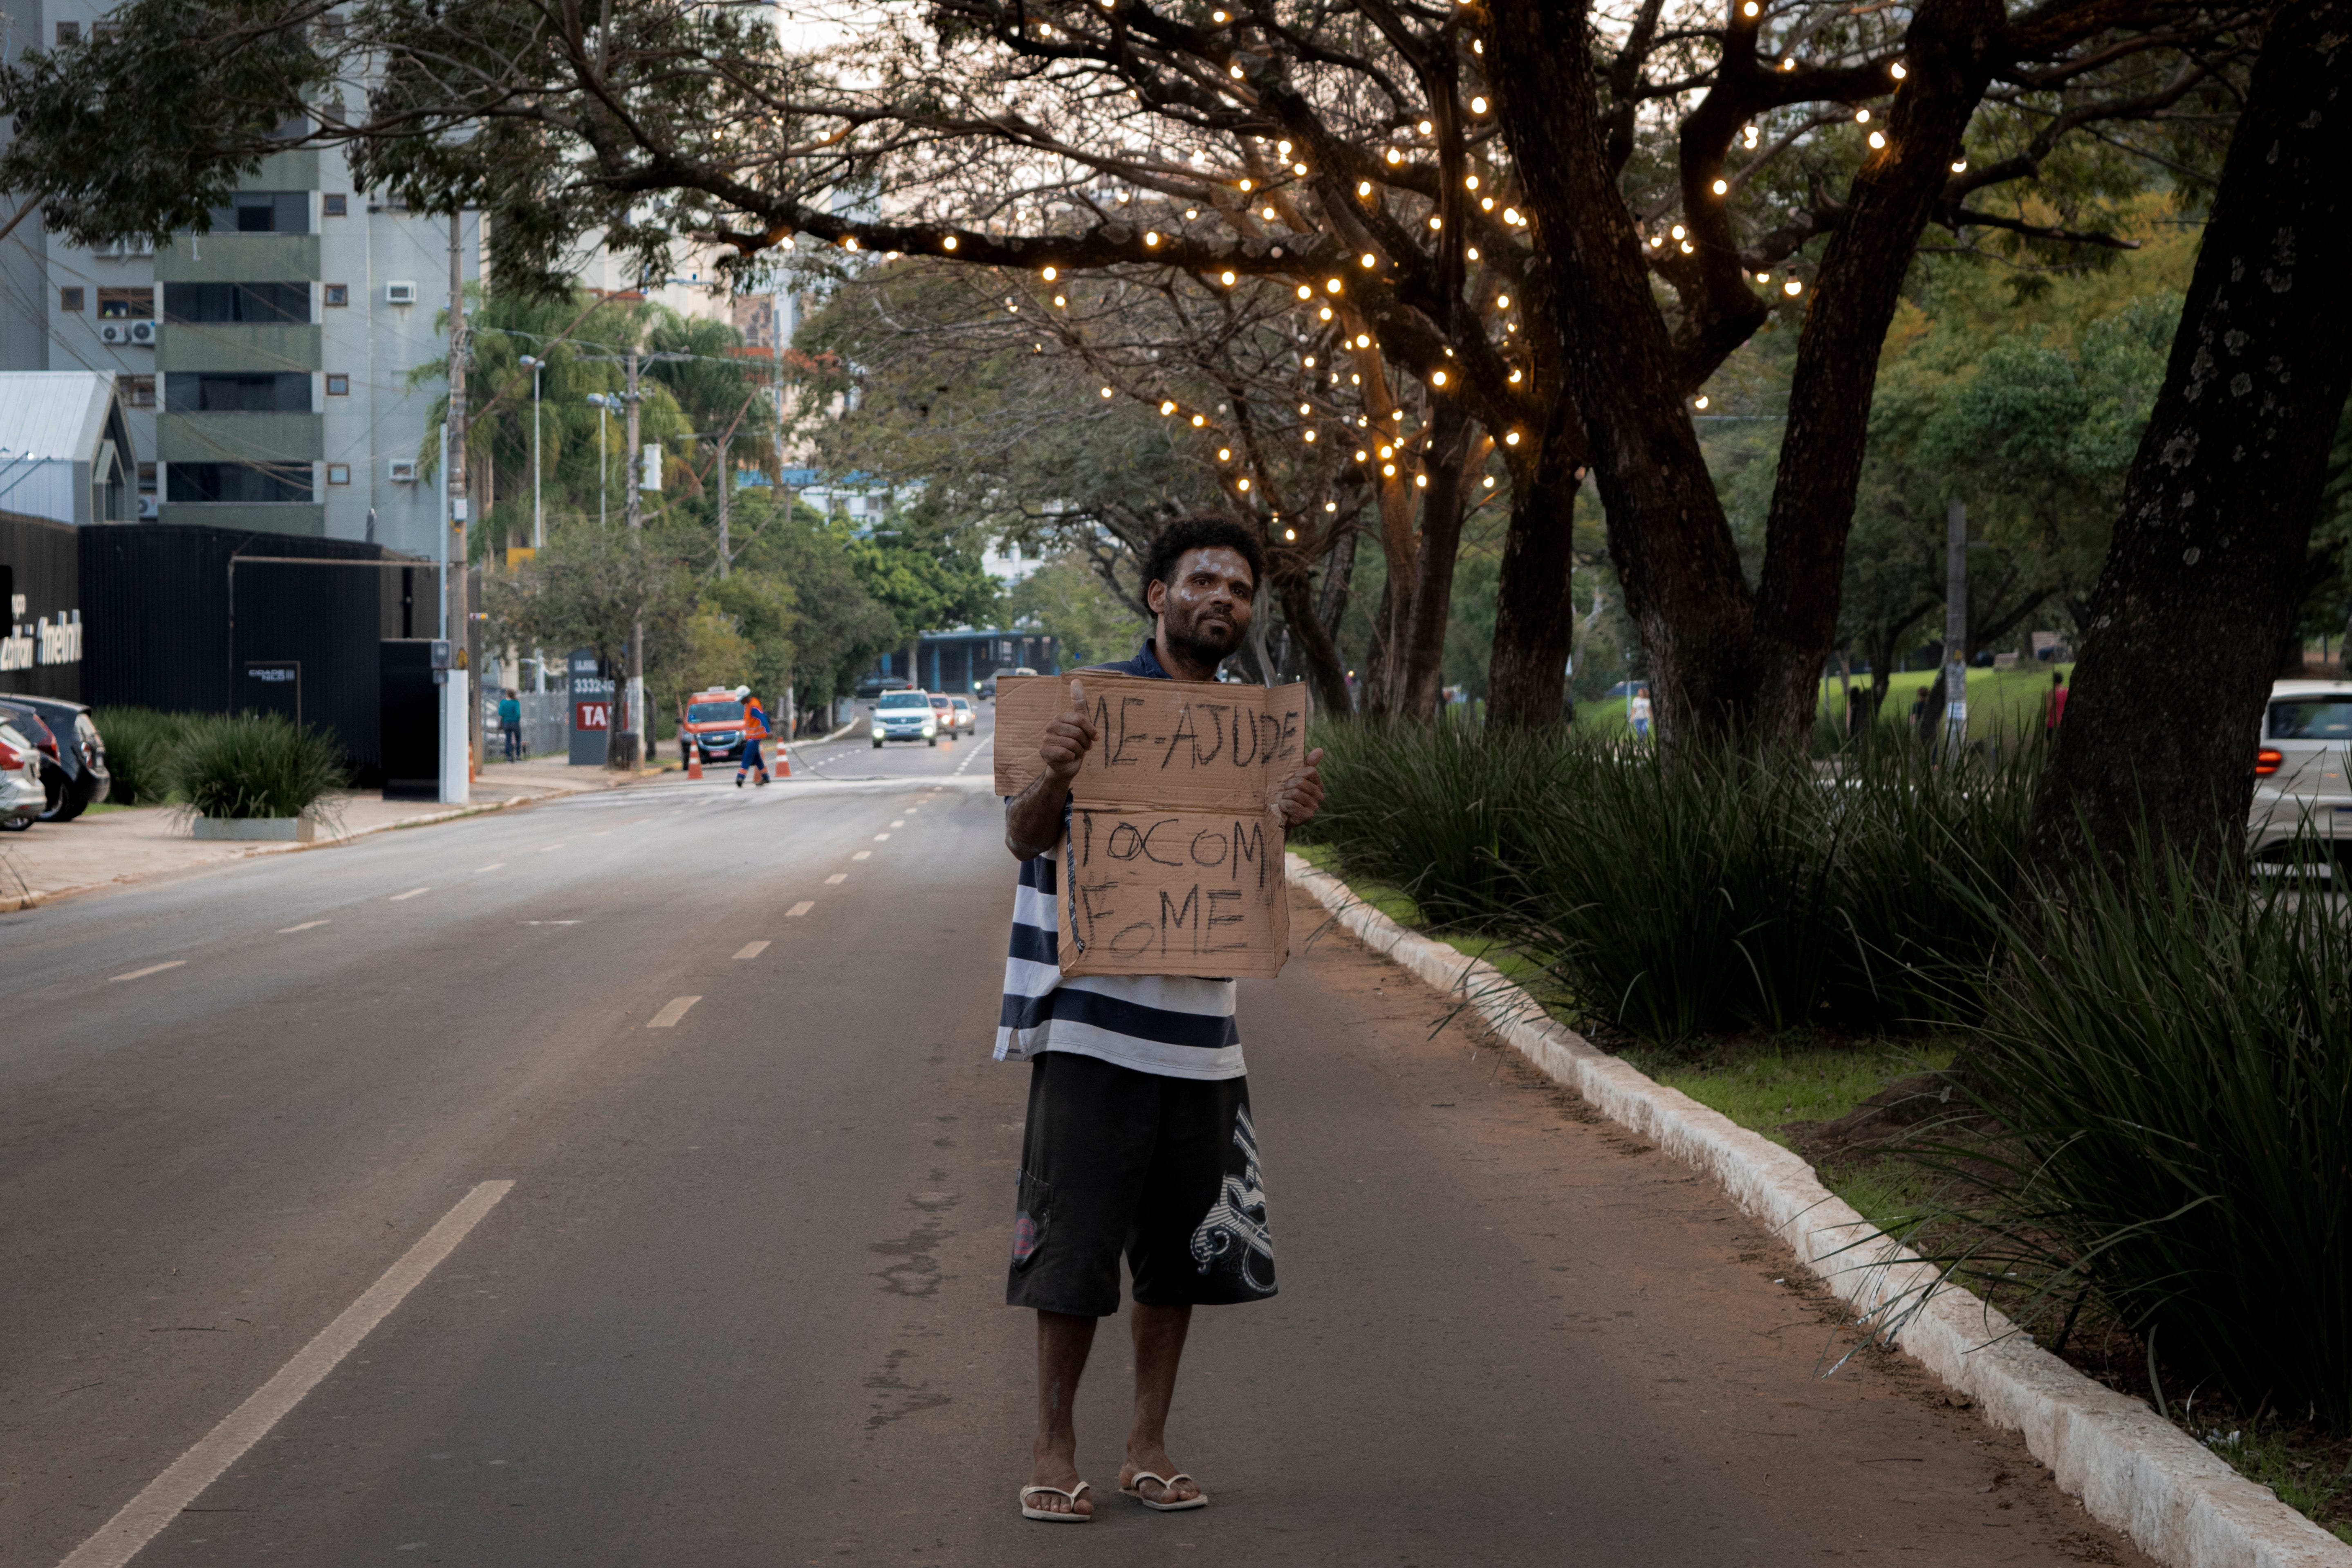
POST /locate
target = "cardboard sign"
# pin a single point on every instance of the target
(1173, 861)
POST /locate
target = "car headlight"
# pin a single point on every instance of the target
(878, 732)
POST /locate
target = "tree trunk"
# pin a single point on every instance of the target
(1376, 656)
(1535, 626)
(2204, 573)
(1339, 581)
(1423, 665)
(1295, 588)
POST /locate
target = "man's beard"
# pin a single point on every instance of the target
(1207, 645)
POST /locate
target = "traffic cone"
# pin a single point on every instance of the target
(693, 761)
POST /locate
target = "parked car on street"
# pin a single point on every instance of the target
(966, 719)
(21, 798)
(73, 754)
(2302, 759)
(905, 716)
(944, 708)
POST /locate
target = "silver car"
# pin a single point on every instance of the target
(2299, 765)
(21, 798)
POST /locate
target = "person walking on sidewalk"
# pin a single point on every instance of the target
(1139, 1135)
(755, 730)
(510, 724)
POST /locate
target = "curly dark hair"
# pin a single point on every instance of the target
(1201, 532)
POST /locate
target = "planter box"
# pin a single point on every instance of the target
(274, 829)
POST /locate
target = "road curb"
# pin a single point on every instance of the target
(2131, 1468)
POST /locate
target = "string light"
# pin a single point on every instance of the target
(1166, 409)
(1763, 277)
(1283, 147)
(1241, 484)
(1685, 248)
(1420, 480)
(1898, 69)
(1299, 170)
(1152, 238)
(1367, 258)
(1477, 106)
(1364, 187)
(1389, 471)
(1227, 278)
(1490, 481)
(1471, 253)
(1960, 165)
(1878, 139)
(1436, 222)
(1192, 212)
(1511, 215)
(1105, 392)
(1049, 275)
(1789, 64)
(1304, 410)
(1502, 302)
(1485, 204)
(1364, 340)
(849, 242)
(1305, 292)
(1750, 9)
(1268, 215)
(1289, 533)
(1699, 402)
(1655, 242)
(1792, 288)
(1217, 15)
(1199, 420)
(1310, 362)
(1327, 312)
(1237, 71)
(1514, 378)
(1677, 231)
(1330, 505)
(1862, 117)
(949, 243)
(1395, 156)
(1437, 378)
(1225, 454)
(1310, 438)
(1426, 128)
(1246, 185)
(1333, 285)
(1722, 187)
(1060, 303)
(1361, 453)
(1512, 439)
(1470, 183)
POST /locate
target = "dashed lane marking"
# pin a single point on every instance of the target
(144, 1517)
(751, 950)
(880, 836)
(672, 1011)
(410, 894)
(837, 878)
(862, 854)
(901, 823)
(493, 866)
(551, 849)
(151, 969)
(803, 907)
(306, 925)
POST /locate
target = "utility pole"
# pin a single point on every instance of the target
(459, 601)
(726, 490)
(1955, 628)
(634, 753)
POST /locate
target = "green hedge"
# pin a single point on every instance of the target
(255, 766)
(139, 745)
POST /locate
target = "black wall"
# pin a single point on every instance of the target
(162, 630)
(41, 560)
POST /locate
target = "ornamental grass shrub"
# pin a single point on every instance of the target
(1722, 892)
(252, 766)
(139, 743)
(2165, 1073)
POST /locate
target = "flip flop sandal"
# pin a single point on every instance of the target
(1051, 1516)
(1167, 1484)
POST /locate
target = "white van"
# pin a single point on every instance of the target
(2300, 766)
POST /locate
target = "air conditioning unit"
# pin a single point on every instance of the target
(403, 471)
(143, 333)
(149, 510)
(400, 293)
(114, 332)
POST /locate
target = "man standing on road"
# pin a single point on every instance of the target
(1139, 1136)
(755, 730)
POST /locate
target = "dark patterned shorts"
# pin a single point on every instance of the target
(1163, 1169)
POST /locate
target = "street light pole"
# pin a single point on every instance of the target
(637, 725)
(538, 519)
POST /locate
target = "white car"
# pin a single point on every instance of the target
(2300, 763)
(905, 715)
(21, 798)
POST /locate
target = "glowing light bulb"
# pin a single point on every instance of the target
(1960, 165)
(1268, 214)
(1060, 303)
(1514, 378)
(1699, 402)
(1289, 533)
(1327, 312)
(1477, 106)
(1677, 231)
(1899, 70)
(1722, 187)
(1388, 451)
(1437, 378)
(1862, 117)
(1436, 222)
(1283, 147)
(1686, 247)
(1331, 284)
(1361, 453)
(1192, 212)
(1304, 410)
(1199, 420)
(1227, 278)
(1502, 302)
(1395, 156)
(1792, 288)
(1490, 481)
(1217, 15)
(1049, 275)
(1470, 183)
(1152, 238)
(1234, 71)
(1310, 438)
(1225, 454)
(1246, 185)
(1789, 64)
(1305, 292)
(1364, 340)
(1485, 204)
(1878, 139)
(1511, 215)
(1389, 469)
(1330, 505)
(1750, 9)
(949, 243)
(1364, 187)
(1426, 128)
(1367, 258)
(1241, 484)
(1512, 439)
(1310, 362)
(1166, 409)
(1471, 253)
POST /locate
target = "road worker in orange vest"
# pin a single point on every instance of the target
(755, 730)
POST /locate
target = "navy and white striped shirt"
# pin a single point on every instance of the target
(1176, 1026)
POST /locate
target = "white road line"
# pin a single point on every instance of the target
(672, 1011)
(797, 910)
(551, 849)
(306, 925)
(880, 836)
(751, 950)
(143, 1517)
(901, 823)
(151, 969)
(837, 878)
(493, 866)
(410, 894)
(862, 854)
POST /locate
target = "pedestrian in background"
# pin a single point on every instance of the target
(2053, 708)
(1637, 712)
(755, 730)
(510, 724)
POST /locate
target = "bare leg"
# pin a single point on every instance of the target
(1062, 1342)
(1159, 1348)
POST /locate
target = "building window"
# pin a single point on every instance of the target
(338, 205)
(146, 479)
(138, 391)
(253, 303)
(102, 32)
(339, 473)
(70, 300)
(338, 293)
(68, 33)
(127, 304)
(266, 211)
(267, 392)
(339, 386)
(246, 482)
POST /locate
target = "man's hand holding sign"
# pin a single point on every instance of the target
(1147, 802)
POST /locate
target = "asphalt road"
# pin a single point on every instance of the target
(741, 1303)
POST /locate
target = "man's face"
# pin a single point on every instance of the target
(1205, 606)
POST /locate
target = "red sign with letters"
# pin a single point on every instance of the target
(592, 716)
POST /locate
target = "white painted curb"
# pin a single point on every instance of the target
(2181, 1504)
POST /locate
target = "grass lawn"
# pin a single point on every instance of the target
(2001, 701)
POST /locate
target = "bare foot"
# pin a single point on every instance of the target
(1156, 1461)
(1059, 1471)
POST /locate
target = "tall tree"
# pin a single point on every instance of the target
(2205, 574)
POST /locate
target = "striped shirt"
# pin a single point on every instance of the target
(1175, 1025)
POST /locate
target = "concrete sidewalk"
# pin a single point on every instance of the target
(104, 849)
